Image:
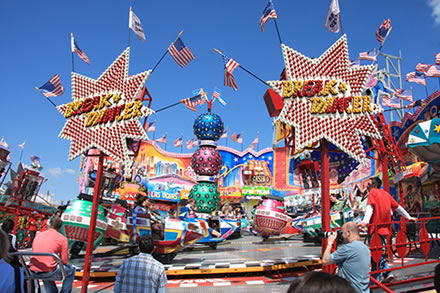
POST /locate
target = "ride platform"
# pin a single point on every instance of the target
(248, 254)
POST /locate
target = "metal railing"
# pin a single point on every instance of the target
(24, 258)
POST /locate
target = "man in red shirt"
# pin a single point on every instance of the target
(52, 241)
(33, 226)
(380, 206)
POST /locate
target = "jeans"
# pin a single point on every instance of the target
(383, 265)
(51, 287)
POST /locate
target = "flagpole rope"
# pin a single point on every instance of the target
(166, 51)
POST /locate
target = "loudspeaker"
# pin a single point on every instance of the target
(274, 103)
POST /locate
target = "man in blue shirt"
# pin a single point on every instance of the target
(142, 273)
(352, 258)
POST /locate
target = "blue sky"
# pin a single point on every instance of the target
(36, 45)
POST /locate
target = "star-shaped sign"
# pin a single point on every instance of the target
(437, 128)
(323, 99)
(105, 112)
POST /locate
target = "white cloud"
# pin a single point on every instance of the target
(435, 5)
(70, 171)
(55, 172)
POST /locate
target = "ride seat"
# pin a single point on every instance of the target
(24, 258)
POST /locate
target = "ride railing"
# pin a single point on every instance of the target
(29, 276)
(409, 240)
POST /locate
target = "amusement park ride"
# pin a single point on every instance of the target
(319, 103)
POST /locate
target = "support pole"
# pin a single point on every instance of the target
(92, 228)
(385, 178)
(325, 194)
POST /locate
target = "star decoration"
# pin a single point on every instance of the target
(437, 128)
(111, 100)
(343, 130)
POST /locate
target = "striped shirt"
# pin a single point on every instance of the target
(141, 273)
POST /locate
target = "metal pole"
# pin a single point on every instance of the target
(385, 178)
(92, 228)
(325, 194)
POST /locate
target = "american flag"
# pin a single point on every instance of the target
(216, 95)
(225, 134)
(422, 67)
(178, 142)
(191, 143)
(437, 59)
(269, 12)
(150, 127)
(238, 138)
(253, 143)
(383, 31)
(191, 103)
(417, 77)
(162, 139)
(52, 88)
(415, 104)
(393, 102)
(78, 51)
(433, 71)
(369, 56)
(404, 95)
(230, 65)
(180, 53)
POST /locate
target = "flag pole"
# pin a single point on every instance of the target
(426, 89)
(21, 153)
(71, 43)
(278, 31)
(166, 51)
(227, 131)
(129, 23)
(181, 147)
(46, 97)
(166, 140)
(258, 144)
(242, 141)
(245, 69)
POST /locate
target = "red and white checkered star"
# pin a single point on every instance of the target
(343, 130)
(109, 137)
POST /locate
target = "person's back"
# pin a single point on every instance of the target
(356, 264)
(7, 276)
(50, 241)
(383, 203)
(141, 273)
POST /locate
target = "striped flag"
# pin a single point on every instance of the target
(191, 103)
(422, 67)
(191, 143)
(255, 142)
(135, 24)
(162, 139)
(415, 104)
(52, 88)
(225, 134)
(180, 53)
(383, 31)
(393, 102)
(404, 95)
(78, 51)
(369, 56)
(230, 65)
(3, 143)
(355, 62)
(178, 142)
(417, 77)
(333, 21)
(433, 71)
(216, 95)
(238, 138)
(437, 59)
(269, 12)
(150, 127)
